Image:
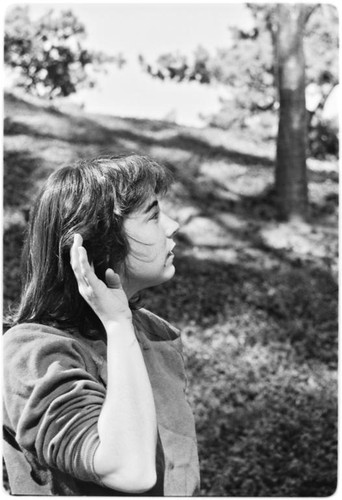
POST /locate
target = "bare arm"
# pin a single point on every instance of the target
(125, 457)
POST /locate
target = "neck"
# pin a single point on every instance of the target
(128, 289)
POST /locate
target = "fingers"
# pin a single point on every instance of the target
(84, 272)
(112, 279)
(74, 256)
(87, 272)
(80, 264)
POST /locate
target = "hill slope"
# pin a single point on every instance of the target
(256, 301)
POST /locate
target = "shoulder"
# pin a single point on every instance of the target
(156, 325)
(32, 333)
(33, 344)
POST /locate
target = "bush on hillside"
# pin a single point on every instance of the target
(48, 56)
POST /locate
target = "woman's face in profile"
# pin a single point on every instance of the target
(150, 259)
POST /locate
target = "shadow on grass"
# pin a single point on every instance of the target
(21, 172)
(213, 196)
(197, 146)
(268, 438)
(265, 411)
(74, 131)
(210, 196)
(282, 305)
(12, 245)
(322, 176)
(86, 130)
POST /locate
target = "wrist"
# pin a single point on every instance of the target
(120, 334)
(122, 323)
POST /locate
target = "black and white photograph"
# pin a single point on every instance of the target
(170, 249)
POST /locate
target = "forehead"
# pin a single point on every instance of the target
(146, 207)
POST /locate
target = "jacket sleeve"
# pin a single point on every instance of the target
(53, 398)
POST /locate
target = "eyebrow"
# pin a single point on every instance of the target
(150, 206)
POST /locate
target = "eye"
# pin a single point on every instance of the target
(155, 215)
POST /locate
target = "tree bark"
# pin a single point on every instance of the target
(290, 172)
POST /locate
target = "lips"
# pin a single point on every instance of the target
(170, 253)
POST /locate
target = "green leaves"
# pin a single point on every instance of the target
(49, 55)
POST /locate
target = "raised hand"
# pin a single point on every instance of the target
(108, 300)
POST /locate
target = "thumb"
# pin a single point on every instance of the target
(112, 279)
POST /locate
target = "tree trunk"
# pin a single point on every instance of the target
(290, 173)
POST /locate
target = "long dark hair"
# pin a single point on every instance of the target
(91, 198)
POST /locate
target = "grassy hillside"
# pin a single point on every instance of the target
(256, 300)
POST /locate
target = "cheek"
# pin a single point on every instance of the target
(148, 246)
(147, 236)
(141, 254)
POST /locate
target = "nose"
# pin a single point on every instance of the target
(170, 226)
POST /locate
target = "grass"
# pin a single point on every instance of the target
(256, 300)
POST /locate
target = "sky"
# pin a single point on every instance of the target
(152, 29)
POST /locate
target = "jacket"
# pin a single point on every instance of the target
(54, 388)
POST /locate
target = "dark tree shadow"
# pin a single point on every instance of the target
(303, 303)
(12, 245)
(270, 434)
(145, 134)
(254, 440)
(21, 172)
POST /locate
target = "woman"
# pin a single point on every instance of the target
(93, 385)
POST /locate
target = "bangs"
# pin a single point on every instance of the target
(140, 178)
(148, 179)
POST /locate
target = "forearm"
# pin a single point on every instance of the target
(125, 457)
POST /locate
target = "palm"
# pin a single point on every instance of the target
(110, 296)
(108, 300)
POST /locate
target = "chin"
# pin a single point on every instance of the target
(171, 272)
(168, 274)
(138, 283)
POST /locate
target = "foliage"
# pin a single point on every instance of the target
(176, 67)
(48, 56)
(256, 301)
(321, 43)
(247, 66)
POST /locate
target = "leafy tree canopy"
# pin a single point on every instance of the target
(247, 66)
(48, 56)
